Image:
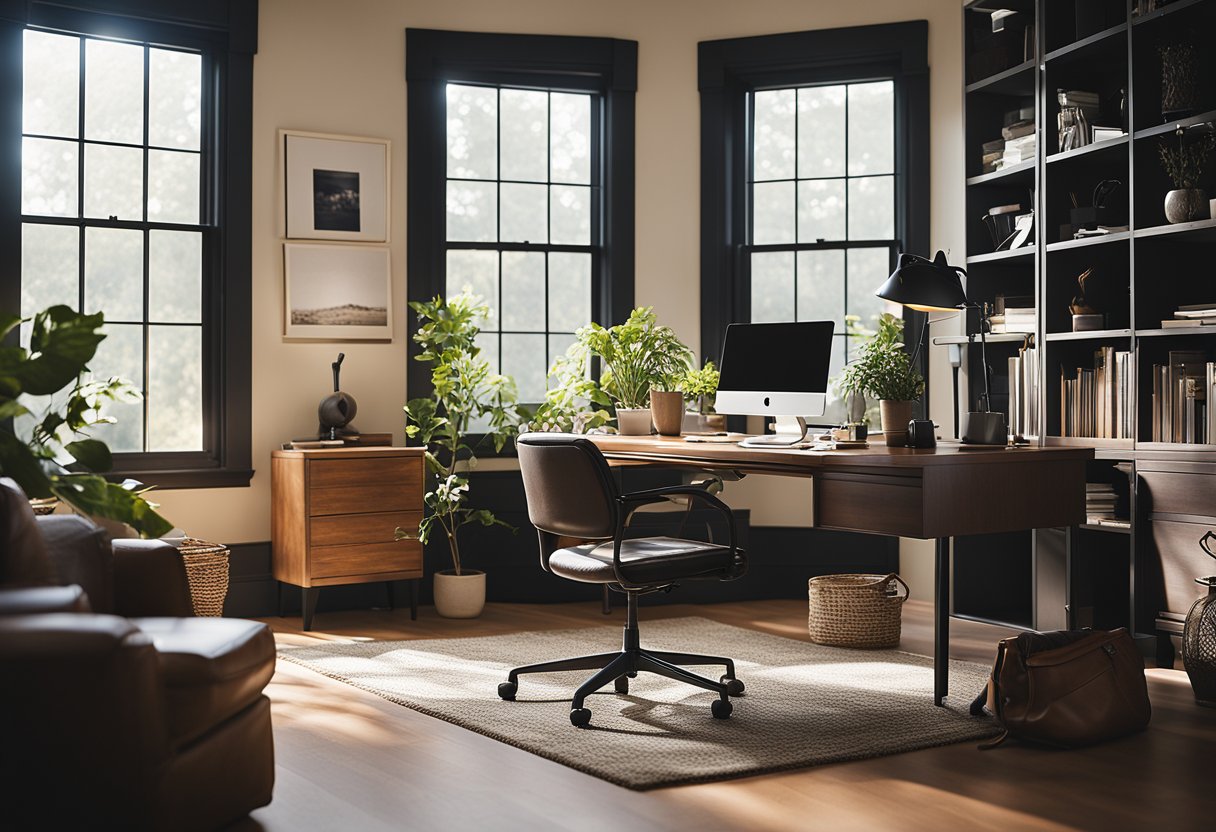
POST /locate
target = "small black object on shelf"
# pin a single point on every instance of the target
(337, 410)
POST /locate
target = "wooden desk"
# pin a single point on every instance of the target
(936, 493)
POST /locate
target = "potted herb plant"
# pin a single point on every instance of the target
(884, 370)
(1183, 164)
(48, 451)
(465, 395)
(701, 388)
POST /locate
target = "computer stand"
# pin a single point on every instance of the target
(780, 438)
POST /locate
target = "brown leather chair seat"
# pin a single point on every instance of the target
(647, 560)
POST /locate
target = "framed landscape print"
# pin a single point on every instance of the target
(337, 292)
(335, 187)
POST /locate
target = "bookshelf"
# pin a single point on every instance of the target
(1106, 55)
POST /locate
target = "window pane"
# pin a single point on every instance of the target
(173, 186)
(472, 211)
(175, 276)
(523, 291)
(476, 271)
(49, 178)
(821, 287)
(821, 210)
(772, 286)
(113, 92)
(113, 182)
(773, 212)
(175, 111)
(472, 132)
(570, 214)
(488, 343)
(524, 359)
(50, 84)
(871, 128)
(524, 215)
(570, 138)
(50, 267)
(821, 136)
(774, 135)
(569, 291)
(524, 117)
(114, 273)
(121, 355)
(872, 208)
(175, 388)
(868, 269)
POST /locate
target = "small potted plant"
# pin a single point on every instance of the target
(464, 392)
(1183, 164)
(701, 388)
(884, 370)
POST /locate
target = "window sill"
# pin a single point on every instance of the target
(178, 478)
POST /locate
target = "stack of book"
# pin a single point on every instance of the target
(1017, 143)
(1099, 502)
(1024, 393)
(1097, 402)
(1182, 390)
(994, 152)
(1015, 314)
(1198, 314)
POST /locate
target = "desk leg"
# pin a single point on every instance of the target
(941, 620)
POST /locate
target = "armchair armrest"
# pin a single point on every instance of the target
(43, 599)
(150, 580)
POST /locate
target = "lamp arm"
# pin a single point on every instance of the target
(986, 397)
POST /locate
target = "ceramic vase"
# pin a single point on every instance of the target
(667, 411)
(633, 421)
(460, 596)
(1186, 205)
(895, 417)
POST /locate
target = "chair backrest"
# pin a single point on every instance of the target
(569, 487)
(23, 556)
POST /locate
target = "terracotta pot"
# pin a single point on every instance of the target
(460, 596)
(895, 417)
(1186, 205)
(667, 411)
(633, 421)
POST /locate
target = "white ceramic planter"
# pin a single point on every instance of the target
(633, 421)
(460, 596)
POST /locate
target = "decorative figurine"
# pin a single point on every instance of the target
(337, 410)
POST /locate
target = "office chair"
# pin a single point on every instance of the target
(571, 494)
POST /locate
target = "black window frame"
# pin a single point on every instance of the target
(728, 71)
(606, 67)
(226, 32)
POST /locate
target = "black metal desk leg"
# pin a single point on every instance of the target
(941, 620)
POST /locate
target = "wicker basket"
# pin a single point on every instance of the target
(856, 610)
(207, 572)
(44, 505)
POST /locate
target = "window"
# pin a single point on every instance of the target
(815, 160)
(134, 174)
(521, 187)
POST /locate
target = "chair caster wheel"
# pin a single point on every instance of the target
(580, 717)
(721, 708)
(733, 686)
(621, 684)
(507, 690)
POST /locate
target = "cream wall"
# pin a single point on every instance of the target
(340, 68)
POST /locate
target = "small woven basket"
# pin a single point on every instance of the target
(856, 610)
(44, 505)
(207, 572)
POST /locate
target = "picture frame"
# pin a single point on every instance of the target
(335, 187)
(337, 292)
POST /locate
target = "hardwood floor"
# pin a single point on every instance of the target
(351, 760)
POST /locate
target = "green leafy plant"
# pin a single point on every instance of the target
(575, 403)
(48, 449)
(701, 386)
(883, 368)
(464, 392)
(1184, 163)
(637, 356)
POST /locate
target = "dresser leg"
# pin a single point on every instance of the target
(392, 602)
(308, 603)
(941, 620)
(414, 600)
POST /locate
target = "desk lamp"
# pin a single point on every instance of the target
(931, 286)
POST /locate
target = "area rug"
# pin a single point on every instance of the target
(805, 704)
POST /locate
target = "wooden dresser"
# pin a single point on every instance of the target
(334, 514)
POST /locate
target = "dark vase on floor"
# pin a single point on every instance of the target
(1199, 637)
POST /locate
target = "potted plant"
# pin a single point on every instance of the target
(884, 370)
(464, 393)
(701, 388)
(1184, 166)
(48, 451)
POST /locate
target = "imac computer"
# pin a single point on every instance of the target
(776, 370)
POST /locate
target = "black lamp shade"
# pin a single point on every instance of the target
(925, 285)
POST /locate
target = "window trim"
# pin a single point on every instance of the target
(604, 66)
(228, 32)
(729, 69)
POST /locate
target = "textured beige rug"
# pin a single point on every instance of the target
(805, 704)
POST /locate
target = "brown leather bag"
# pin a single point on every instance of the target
(1067, 688)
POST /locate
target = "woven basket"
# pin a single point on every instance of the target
(207, 572)
(856, 610)
(44, 505)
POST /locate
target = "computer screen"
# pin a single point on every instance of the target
(778, 369)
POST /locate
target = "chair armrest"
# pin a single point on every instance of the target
(150, 579)
(43, 599)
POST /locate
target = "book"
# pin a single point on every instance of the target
(1183, 322)
(1016, 131)
(1195, 312)
(994, 146)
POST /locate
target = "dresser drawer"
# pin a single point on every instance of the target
(1176, 561)
(331, 473)
(337, 530)
(365, 499)
(366, 559)
(1171, 492)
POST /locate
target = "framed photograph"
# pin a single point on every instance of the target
(335, 187)
(337, 293)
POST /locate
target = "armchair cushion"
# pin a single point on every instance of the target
(23, 555)
(39, 599)
(81, 555)
(150, 579)
(648, 560)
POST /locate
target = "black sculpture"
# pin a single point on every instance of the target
(337, 409)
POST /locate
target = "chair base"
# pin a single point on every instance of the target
(620, 667)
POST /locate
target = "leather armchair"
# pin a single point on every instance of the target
(119, 708)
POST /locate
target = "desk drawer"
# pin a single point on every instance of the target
(1171, 492)
(366, 559)
(1175, 562)
(338, 530)
(332, 473)
(365, 499)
